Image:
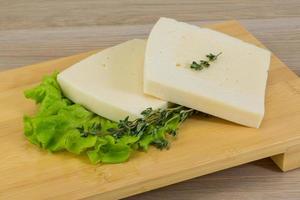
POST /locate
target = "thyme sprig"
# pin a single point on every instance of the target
(204, 63)
(152, 119)
(151, 128)
(95, 129)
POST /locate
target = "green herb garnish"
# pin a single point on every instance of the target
(153, 119)
(61, 124)
(204, 63)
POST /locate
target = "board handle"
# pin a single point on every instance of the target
(288, 160)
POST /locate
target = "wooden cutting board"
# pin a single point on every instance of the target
(204, 145)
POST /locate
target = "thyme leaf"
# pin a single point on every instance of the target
(204, 63)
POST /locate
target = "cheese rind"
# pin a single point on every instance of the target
(233, 87)
(110, 83)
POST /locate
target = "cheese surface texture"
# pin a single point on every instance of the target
(232, 88)
(110, 83)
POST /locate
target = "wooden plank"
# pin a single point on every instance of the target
(288, 160)
(25, 47)
(205, 145)
(39, 14)
(256, 180)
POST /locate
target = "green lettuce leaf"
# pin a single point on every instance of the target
(57, 124)
(108, 150)
(61, 125)
(77, 144)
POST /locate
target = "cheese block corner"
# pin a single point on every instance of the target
(110, 82)
(232, 88)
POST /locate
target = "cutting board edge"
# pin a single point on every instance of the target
(277, 153)
(280, 151)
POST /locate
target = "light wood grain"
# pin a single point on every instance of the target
(43, 30)
(288, 160)
(29, 172)
(258, 180)
(29, 46)
(42, 13)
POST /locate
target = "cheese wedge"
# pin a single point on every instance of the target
(110, 83)
(233, 87)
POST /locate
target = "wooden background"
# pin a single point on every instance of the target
(37, 30)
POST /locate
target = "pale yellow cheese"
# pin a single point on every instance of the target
(110, 83)
(233, 87)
